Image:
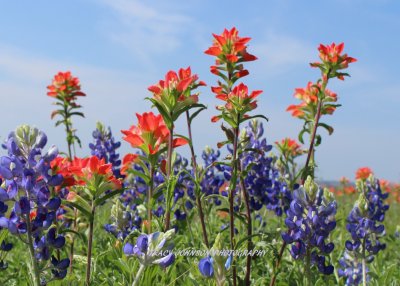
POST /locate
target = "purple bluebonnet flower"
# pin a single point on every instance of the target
(310, 220)
(351, 269)
(263, 182)
(366, 229)
(124, 220)
(206, 267)
(27, 187)
(154, 248)
(216, 265)
(105, 147)
(5, 247)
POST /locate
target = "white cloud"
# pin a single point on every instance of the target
(113, 96)
(279, 53)
(143, 28)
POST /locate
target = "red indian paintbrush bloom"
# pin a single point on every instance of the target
(150, 134)
(88, 171)
(61, 165)
(65, 86)
(128, 161)
(239, 101)
(230, 47)
(290, 147)
(333, 60)
(363, 173)
(176, 83)
(310, 96)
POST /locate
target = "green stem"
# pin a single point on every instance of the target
(364, 266)
(232, 197)
(198, 199)
(249, 226)
(35, 266)
(138, 275)
(169, 171)
(90, 244)
(149, 198)
(310, 158)
(308, 268)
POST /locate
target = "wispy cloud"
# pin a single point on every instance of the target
(113, 95)
(279, 53)
(146, 28)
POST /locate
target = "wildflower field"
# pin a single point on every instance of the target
(245, 212)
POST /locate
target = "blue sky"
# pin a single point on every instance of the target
(120, 47)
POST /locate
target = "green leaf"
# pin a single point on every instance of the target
(99, 201)
(318, 140)
(244, 239)
(77, 114)
(80, 235)
(197, 112)
(301, 134)
(327, 127)
(253, 117)
(80, 204)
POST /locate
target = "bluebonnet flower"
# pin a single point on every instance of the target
(154, 248)
(263, 182)
(124, 220)
(212, 178)
(5, 247)
(215, 265)
(310, 220)
(364, 225)
(351, 269)
(28, 182)
(206, 266)
(105, 147)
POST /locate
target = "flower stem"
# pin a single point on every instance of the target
(307, 268)
(249, 226)
(138, 275)
(169, 171)
(364, 266)
(149, 197)
(232, 196)
(90, 242)
(198, 199)
(310, 158)
(36, 272)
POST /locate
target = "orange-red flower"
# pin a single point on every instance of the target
(128, 161)
(87, 169)
(230, 47)
(310, 96)
(150, 134)
(239, 99)
(176, 83)
(363, 173)
(333, 59)
(333, 54)
(290, 147)
(61, 165)
(66, 86)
